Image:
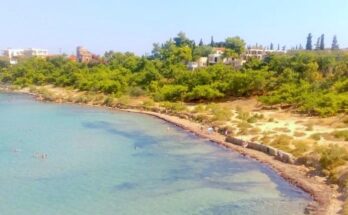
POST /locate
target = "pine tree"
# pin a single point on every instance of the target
(322, 42)
(201, 42)
(309, 42)
(335, 45)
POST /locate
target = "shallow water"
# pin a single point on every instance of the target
(105, 162)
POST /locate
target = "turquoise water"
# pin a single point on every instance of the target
(104, 162)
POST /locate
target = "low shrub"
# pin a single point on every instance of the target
(148, 103)
(343, 134)
(282, 142)
(332, 156)
(221, 114)
(137, 91)
(301, 147)
(123, 100)
(174, 106)
(110, 101)
(199, 109)
(316, 136)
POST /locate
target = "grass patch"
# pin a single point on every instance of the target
(301, 147)
(282, 142)
(174, 106)
(199, 109)
(244, 128)
(316, 136)
(341, 134)
(148, 103)
(266, 139)
(332, 156)
(221, 114)
(123, 100)
(110, 101)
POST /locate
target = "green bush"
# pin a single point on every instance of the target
(332, 156)
(203, 93)
(171, 93)
(148, 103)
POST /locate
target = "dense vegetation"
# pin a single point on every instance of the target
(313, 82)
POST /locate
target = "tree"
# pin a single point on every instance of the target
(202, 51)
(322, 42)
(236, 44)
(335, 45)
(212, 43)
(182, 40)
(156, 51)
(317, 45)
(229, 53)
(309, 42)
(201, 42)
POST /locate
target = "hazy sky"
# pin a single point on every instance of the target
(134, 25)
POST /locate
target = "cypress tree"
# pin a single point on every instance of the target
(212, 43)
(317, 45)
(335, 45)
(201, 42)
(322, 42)
(309, 42)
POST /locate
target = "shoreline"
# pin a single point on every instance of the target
(324, 197)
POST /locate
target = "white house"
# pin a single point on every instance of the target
(236, 63)
(192, 66)
(259, 53)
(35, 52)
(202, 62)
(14, 54)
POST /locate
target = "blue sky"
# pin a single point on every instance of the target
(134, 25)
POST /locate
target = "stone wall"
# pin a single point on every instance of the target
(278, 154)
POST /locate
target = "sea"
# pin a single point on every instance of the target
(68, 159)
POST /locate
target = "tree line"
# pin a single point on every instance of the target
(320, 44)
(314, 83)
